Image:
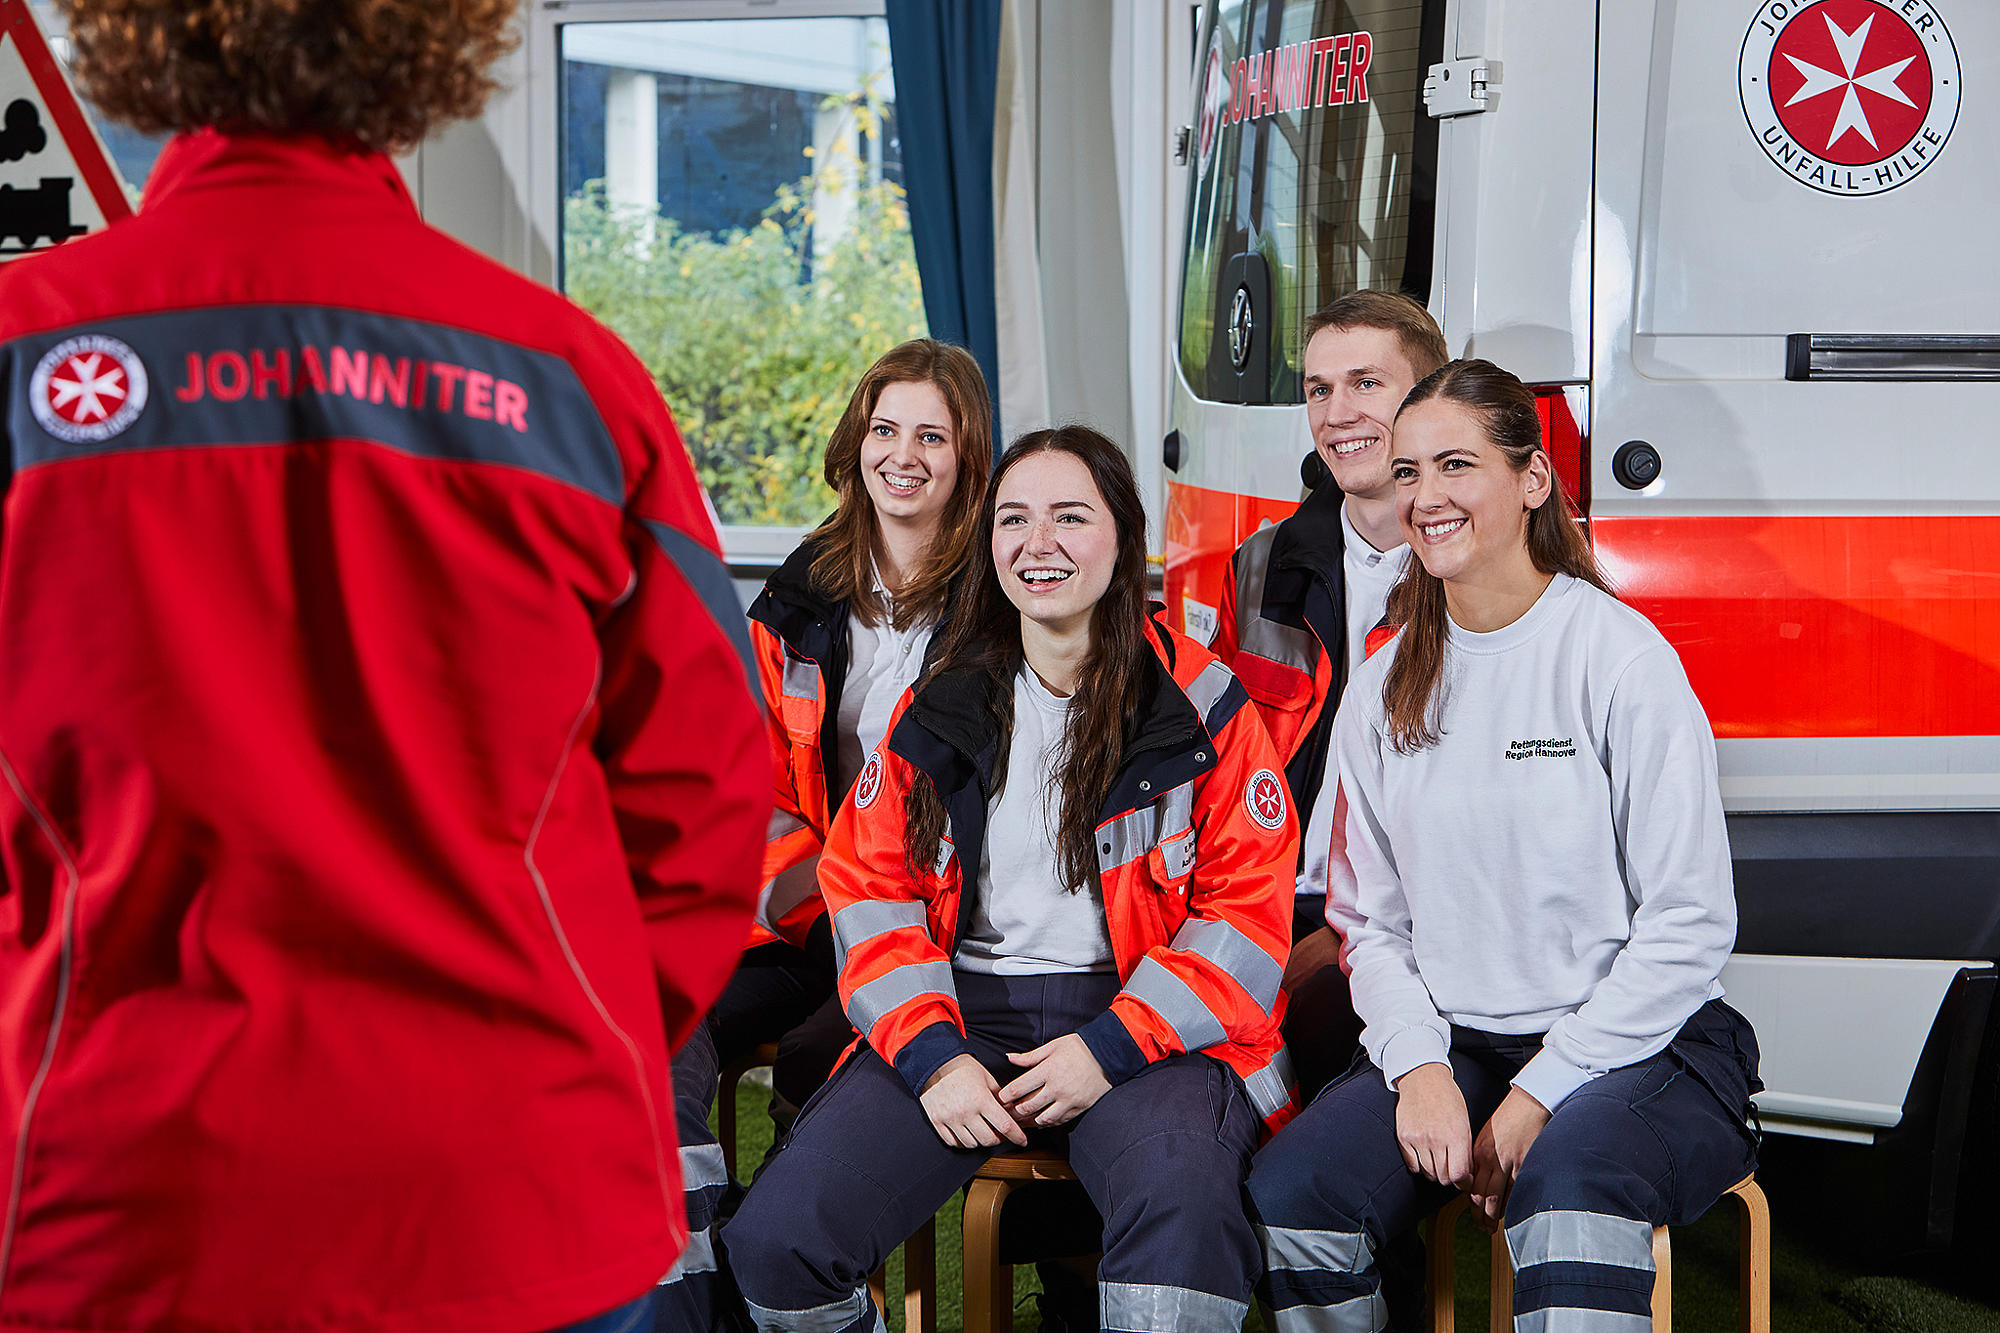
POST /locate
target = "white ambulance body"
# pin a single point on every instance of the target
(1749, 253)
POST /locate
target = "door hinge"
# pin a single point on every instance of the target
(1460, 87)
(1181, 137)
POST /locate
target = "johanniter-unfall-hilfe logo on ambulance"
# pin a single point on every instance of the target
(88, 389)
(1850, 97)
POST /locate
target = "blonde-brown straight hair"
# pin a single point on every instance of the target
(844, 568)
(1505, 410)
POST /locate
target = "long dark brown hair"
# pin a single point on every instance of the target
(982, 635)
(844, 568)
(1505, 410)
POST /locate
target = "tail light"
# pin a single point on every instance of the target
(1562, 407)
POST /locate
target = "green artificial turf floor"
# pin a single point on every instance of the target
(1819, 1283)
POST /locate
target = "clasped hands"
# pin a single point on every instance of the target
(968, 1108)
(1434, 1131)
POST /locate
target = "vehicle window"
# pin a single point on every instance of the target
(1314, 174)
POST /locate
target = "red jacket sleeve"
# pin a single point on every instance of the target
(684, 751)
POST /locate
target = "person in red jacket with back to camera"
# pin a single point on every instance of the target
(384, 787)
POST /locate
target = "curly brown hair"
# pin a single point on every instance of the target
(383, 72)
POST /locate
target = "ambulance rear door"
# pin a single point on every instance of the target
(1795, 300)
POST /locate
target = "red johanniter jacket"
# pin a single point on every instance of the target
(383, 787)
(1196, 848)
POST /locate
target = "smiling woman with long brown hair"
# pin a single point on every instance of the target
(841, 629)
(1060, 898)
(1533, 883)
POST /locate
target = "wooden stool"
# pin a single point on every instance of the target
(989, 1284)
(725, 1099)
(1754, 1297)
(919, 1251)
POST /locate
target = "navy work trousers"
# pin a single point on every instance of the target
(780, 993)
(1162, 1155)
(1654, 1143)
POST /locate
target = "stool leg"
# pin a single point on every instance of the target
(1663, 1282)
(989, 1284)
(1755, 1243)
(1439, 1293)
(725, 1118)
(920, 1279)
(1500, 1283)
(878, 1290)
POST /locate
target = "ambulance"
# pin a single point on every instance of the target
(1748, 254)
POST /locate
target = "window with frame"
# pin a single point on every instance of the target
(1315, 174)
(733, 206)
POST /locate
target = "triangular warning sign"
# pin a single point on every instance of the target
(56, 180)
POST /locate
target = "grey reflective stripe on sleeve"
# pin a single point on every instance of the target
(698, 1257)
(1283, 644)
(1208, 688)
(710, 581)
(1563, 1237)
(868, 918)
(1126, 838)
(1286, 645)
(1195, 1025)
(1270, 1088)
(702, 1167)
(1361, 1314)
(1176, 811)
(820, 1319)
(1137, 1307)
(894, 989)
(786, 890)
(1569, 1319)
(800, 679)
(1315, 1251)
(1235, 953)
(782, 824)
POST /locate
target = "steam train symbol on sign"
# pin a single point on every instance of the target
(27, 215)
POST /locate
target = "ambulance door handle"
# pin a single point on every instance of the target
(1460, 87)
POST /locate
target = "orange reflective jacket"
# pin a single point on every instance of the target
(800, 637)
(1196, 849)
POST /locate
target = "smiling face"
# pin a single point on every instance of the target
(1055, 544)
(909, 457)
(1462, 506)
(1356, 378)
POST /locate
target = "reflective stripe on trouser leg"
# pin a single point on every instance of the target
(855, 1314)
(1136, 1307)
(1581, 1272)
(1360, 1314)
(1300, 1266)
(692, 1289)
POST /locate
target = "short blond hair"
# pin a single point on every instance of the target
(1416, 332)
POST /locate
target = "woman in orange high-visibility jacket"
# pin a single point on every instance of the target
(1061, 898)
(840, 632)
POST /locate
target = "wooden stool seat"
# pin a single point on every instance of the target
(989, 1284)
(1754, 1300)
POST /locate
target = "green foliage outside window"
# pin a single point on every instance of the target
(755, 361)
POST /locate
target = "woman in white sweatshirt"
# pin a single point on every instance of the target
(1532, 878)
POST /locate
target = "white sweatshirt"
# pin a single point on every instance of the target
(1556, 863)
(1023, 921)
(1370, 576)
